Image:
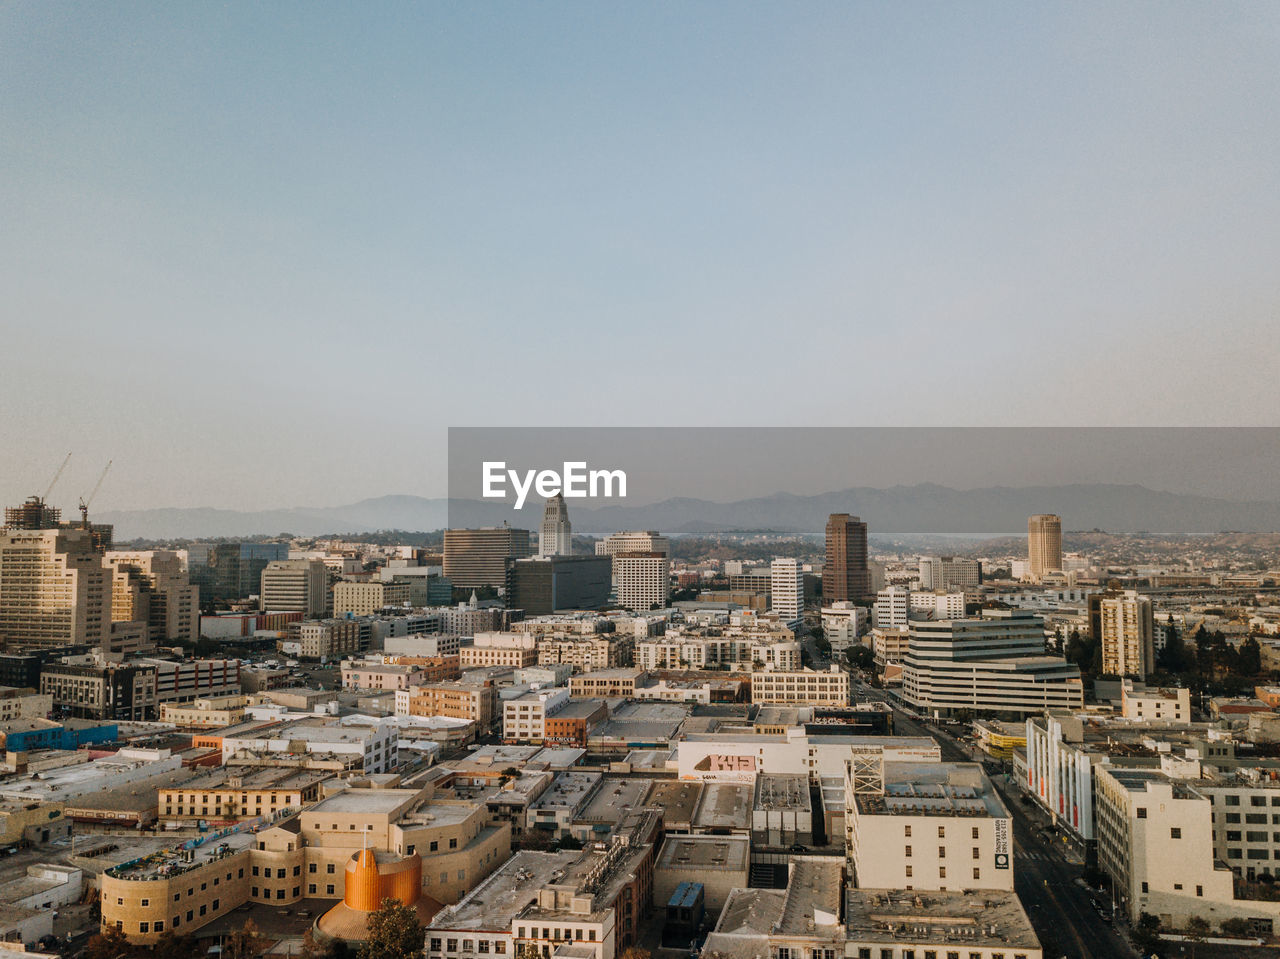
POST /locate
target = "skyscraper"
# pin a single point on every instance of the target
(787, 589)
(846, 577)
(1044, 544)
(643, 580)
(54, 588)
(151, 586)
(556, 537)
(1126, 628)
(479, 557)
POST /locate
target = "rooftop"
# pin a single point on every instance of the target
(506, 893)
(184, 857)
(715, 853)
(782, 791)
(567, 791)
(986, 918)
(615, 798)
(678, 799)
(934, 789)
(724, 806)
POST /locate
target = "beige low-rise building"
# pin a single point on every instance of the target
(214, 712)
(620, 683)
(807, 687)
(368, 599)
(1152, 704)
(235, 793)
(304, 857)
(477, 702)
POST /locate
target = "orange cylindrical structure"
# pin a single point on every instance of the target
(374, 876)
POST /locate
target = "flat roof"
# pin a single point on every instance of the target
(614, 799)
(567, 790)
(511, 889)
(377, 801)
(171, 861)
(984, 918)
(677, 798)
(934, 789)
(724, 806)
(706, 853)
(782, 791)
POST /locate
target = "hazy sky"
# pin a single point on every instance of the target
(263, 254)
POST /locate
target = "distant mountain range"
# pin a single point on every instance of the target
(899, 510)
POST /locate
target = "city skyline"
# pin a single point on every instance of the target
(225, 222)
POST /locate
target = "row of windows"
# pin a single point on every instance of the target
(942, 852)
(942, 872)
(483, 946)
(158, 925)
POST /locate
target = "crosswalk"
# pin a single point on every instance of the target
(1037, 856)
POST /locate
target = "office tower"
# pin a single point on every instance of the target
(643, 580)
(1126, 630)
(295, 586)
(995, 662)
(474, 558)
(1044, 544)
(543, 584)
(151, 586)
(787, 589)
(556, 537)
(226, 572)
(931, 575)
(891, 608)
(54, 588)
(846, 575)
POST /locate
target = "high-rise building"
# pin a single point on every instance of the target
(226, 572)
(643, 580)
(995, 662)
(556, 538)
(151, 586)
(892, 608)
(54, 588)
(474, 558)
(295, 586)
(1044, 544)
(846, 575)
(541, 585)
(787, 589)
(1126, 630)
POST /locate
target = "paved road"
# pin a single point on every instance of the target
(1059, 907)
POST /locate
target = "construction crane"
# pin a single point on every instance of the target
(56, 476)
(84, 503)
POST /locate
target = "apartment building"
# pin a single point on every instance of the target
(586, 653)
(374, 749)
(22, 703)
(183, 680)
(892, 608)
(516, 650)
(804, 687)
(327, 638)
(607, 683)
(1126, 630)
(524, 718)
(214, 712)
(786, 579)
(477, 702)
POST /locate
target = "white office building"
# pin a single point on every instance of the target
(787, 589)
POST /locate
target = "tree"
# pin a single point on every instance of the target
(1146, 934)
(1236, 926)
(170, 945)
(1249, 662)
(394, 932)
(1197, 929)
(109, 944)
(636, 952)
(244, 943)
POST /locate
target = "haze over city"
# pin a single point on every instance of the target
(263, 243)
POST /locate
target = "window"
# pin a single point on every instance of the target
(976, 853)
(908, 852)
(1199, 890)
(942, 872)
(144, 927)
(146, 902)
(1144, 887)
(1232, 800)
(975, 832)
(311, 867)
(159, 925)
(329, 869)
(328, 890)
(311, 889)
(942, 832)
(977, 873)
(908, 870)
(1142, 812)
(1233, 817)
(906, 831)
(942, 852)
(1175, 833)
